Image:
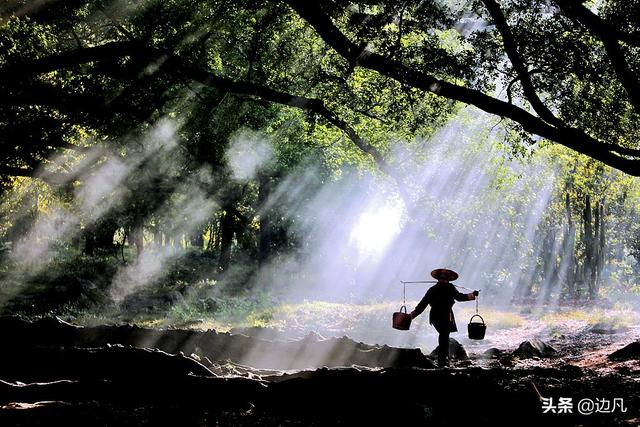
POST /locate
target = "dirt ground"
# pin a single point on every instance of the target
(54, 373)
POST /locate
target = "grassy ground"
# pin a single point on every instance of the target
(235, 312)
(615, 318)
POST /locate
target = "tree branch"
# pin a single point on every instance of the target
(511, 48)
(595, 23)
(19, 70)
(52, 96)
(572, 138)
(175, 64)
(248, 88)
(52, 178)
(610, 37)
(569, 137)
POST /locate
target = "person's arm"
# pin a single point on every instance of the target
(421, 306)
(459, 296)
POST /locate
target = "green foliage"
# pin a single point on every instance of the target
(50, 122)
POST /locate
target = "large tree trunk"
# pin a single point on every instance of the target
(104, 235)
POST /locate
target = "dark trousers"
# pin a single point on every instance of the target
(444, 329)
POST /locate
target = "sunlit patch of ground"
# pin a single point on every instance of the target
(570, 331)
(596, 358)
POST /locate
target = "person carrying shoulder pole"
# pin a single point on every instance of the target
(441, 298)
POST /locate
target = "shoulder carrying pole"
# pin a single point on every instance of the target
(434, 281)
(419, 281)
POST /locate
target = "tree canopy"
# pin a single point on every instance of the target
(562, 71)
(126, 114)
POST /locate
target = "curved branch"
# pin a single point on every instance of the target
(52, 178)
(314, 105)
(610, 37)
(595, 23)
(569, 137)
(19, 70)
(572, 138)
(174, 64)
(511, 48)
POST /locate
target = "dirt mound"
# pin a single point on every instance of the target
(534, 348)
(113, 361)
(269, 334)
(308, 353)
(628, 352)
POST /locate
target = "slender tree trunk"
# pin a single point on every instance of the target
(599, 249)
(602, 242)
(593, 290)
(210, 240)
(551, 265)
(569, 253)
(175, 243)
(588, 246)
(226, 239)
(264, 238)
(218, 234)
(89, 242)
(544, 272)
(157, 237)
(138, 239)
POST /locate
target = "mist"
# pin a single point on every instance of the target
(468, 205)
(109, 180)
(360, 239)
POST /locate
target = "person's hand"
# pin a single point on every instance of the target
(475, 293)
(413, 314)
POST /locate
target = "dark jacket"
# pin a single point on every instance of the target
(441, 298)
